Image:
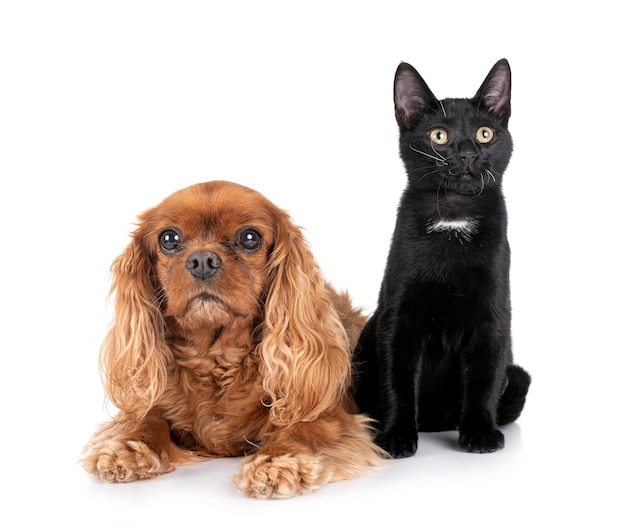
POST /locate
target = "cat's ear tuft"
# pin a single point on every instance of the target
(411, 96)
(495, 92)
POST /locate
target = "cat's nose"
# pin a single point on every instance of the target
(467, 152)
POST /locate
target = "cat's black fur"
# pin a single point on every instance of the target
(436, 353)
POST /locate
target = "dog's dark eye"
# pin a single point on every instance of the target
(249, 240)
(170, 241)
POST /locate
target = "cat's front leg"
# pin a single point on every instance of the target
(484, 374)
(481, 441)
(398, 358)
(398, 438)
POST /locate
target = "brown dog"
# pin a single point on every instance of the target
(226, 341)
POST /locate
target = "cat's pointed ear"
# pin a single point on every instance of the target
(411, 96)
(495, 92)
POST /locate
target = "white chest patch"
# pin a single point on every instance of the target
(464, 227)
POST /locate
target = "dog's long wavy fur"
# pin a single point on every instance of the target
(257, 363)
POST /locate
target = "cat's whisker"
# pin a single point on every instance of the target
(437, 200)
(490, 174)
(482, 187)
(439, 159)
(423, 175)
(443, 159)
(428, 174)
(443, 109)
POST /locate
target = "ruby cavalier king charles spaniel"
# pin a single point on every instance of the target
(227, 341)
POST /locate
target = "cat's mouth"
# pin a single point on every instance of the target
(464, 173)
(465, 182)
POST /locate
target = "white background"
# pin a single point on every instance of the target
(107, 107)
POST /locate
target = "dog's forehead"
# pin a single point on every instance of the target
(217, 210)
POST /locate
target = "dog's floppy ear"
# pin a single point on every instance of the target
(133, 356)
(304, 346)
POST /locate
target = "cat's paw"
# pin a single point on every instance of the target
(481, 441)
(398, 443)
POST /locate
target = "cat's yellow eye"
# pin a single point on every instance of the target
(485, 134)
(438, 136)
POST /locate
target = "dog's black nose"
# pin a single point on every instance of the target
(203, 264)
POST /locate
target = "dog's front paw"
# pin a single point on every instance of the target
(282, 476)
(118, 462)
(398, 443)
(481, 441)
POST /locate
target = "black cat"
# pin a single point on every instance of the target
(436, 353)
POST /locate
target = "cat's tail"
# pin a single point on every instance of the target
(512, 400)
